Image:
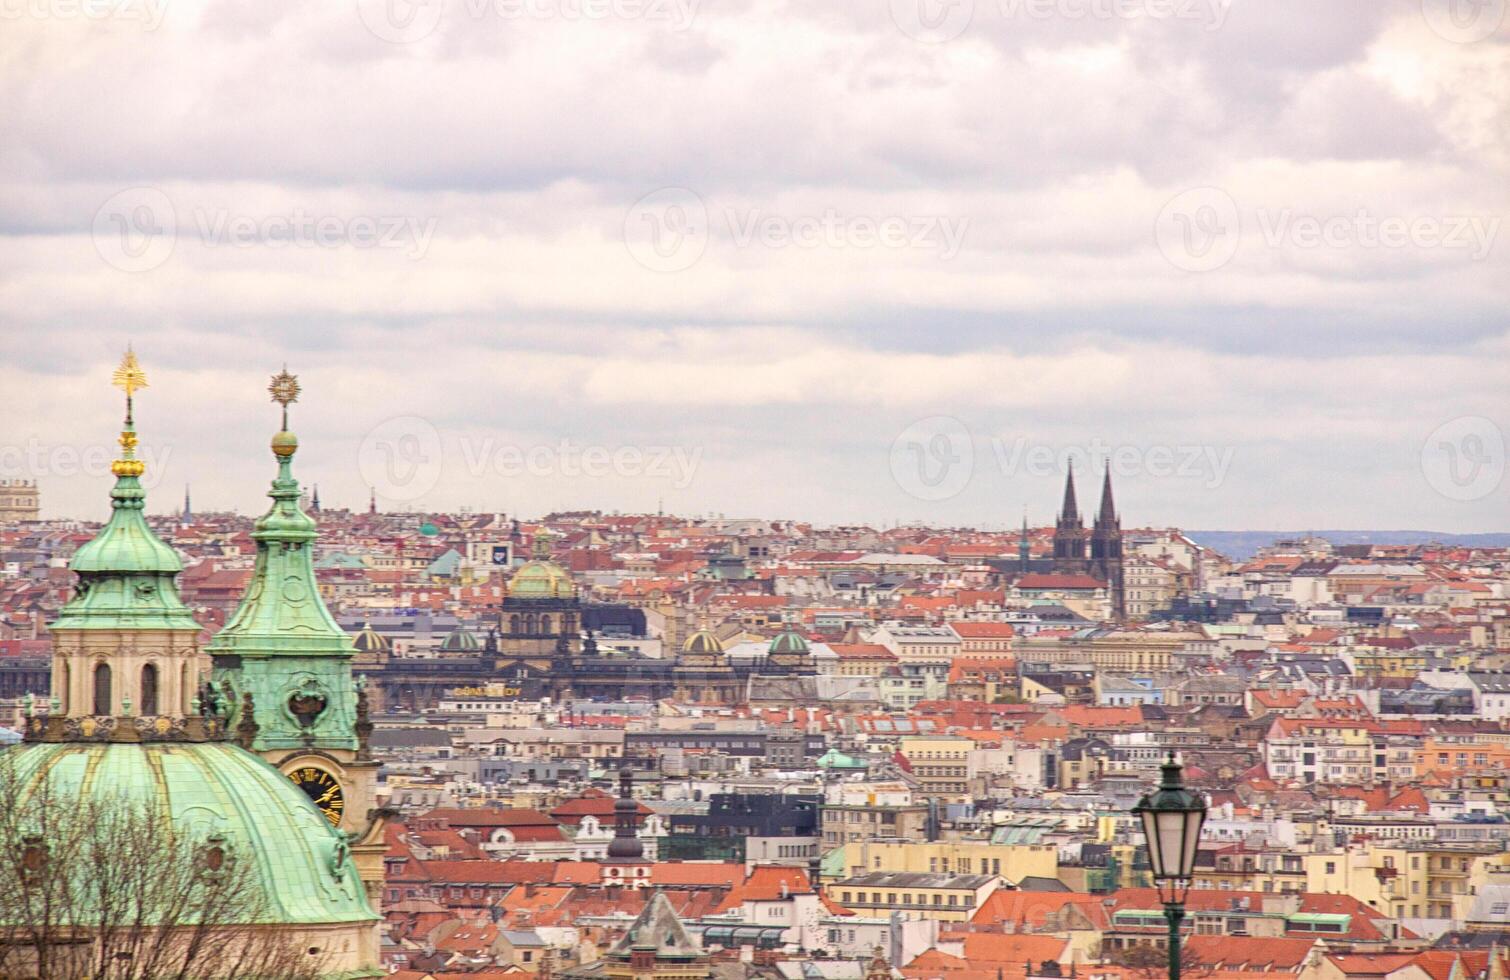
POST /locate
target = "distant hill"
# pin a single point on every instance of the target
(1245, 544)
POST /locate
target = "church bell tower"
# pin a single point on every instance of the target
(285, 666)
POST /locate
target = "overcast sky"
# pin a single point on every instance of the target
(837, 260)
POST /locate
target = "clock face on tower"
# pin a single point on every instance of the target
(323, 788)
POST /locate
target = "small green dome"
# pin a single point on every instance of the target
(704, 642)
(461, 641)
(428, 530)
(303, 865)
(789, 642)
(542, 579)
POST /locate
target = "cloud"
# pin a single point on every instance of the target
(866, 231)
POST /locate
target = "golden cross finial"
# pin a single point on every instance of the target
(285, 391)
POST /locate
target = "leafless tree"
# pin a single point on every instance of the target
(112, 889)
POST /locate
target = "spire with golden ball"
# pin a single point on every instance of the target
(129, 377)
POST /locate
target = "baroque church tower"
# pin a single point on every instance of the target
(284, 651)
(133, 723)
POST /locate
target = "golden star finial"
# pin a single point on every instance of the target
(129, 376)
(284, 388)
(285, 391)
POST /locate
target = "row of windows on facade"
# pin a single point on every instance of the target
(891, 899)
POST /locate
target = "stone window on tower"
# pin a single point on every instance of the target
(149, 689)
(67, 687)
(514, 623)
(102, 689)
(545, 624)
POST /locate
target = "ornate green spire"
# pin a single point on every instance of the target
(126, 573)
(282, 644)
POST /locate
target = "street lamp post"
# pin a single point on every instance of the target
(1172, 817)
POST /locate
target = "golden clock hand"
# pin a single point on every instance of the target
(328, 794)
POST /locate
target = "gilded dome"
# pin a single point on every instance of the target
(703, 642)
(304, 870)
(542, 579)
(370, 640)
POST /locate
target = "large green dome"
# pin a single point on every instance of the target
(542, 579)
(303, 866)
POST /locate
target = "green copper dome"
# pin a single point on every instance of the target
(303, 866)
(789, 642)
(126, 574)
(542, 579)
(282, 645)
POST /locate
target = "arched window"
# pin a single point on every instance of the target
(102, 704)
(529, 624)
(149, 689)
(545, 624)
(65, 697)
(183, 690)
(514, 623)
